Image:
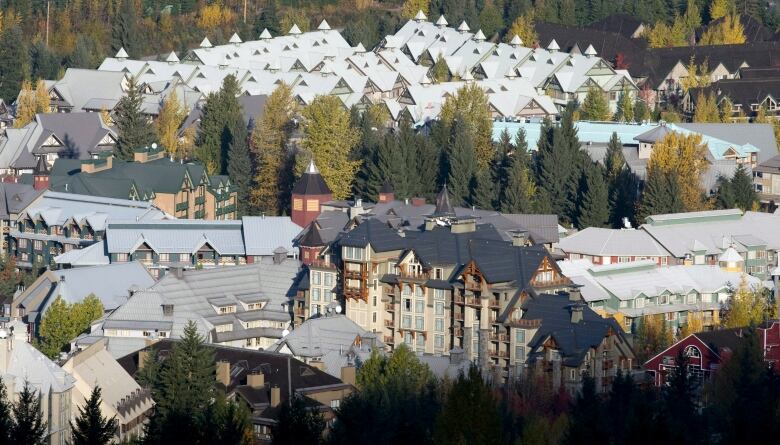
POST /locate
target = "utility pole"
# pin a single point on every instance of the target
(245, 12)
(48, 3)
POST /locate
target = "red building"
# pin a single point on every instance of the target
(308, 195)
(707, 351)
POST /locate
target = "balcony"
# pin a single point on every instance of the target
(494, 303)
(499, 337)
(200, 214)
(389, 307)
(458, 299)
(182, 206)
(300, 311)
(523, 323)
(458, 317)
(200, 200)
(458, 332)
(389, 323)
(474, 301)
(389, 339)
(502, 354)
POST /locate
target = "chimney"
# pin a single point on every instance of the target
(143, 357)
(256, 380)
(280, 254)
(223, 372)
(417, 202)
(457, 355)
(276, 396)
(576, 313)
(519, 238)
(575, 294)
(318, 364)
(348, 375)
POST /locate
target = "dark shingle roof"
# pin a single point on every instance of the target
(381, 237)
(311, 183)
(723, 338)
(622, 24)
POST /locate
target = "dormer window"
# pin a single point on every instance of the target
(229, 309)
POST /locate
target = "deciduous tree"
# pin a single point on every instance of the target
(706, 109)
(746, 307)
(171, 116)
(25, 106)
(523, 27)
(411, 7)
(684, 155)
(471, 104)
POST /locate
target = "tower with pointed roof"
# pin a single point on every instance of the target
(41, 174)
(308, 195)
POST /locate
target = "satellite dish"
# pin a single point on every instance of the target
(285, 333)
(338, 309)
(154, 145)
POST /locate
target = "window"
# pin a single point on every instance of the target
(623, 304)
(227, 309)
(438, 294)
(671, 316)
(353, 253)
(407, 290)
(408, 304)
(406, 322)
(439, 308)
(663, 299)
(690, 298)
(706, 298)
(38, 245)
(316, 278)
(545, 276)
(164, 258)
(639, 303)
(373, 317)
(224, 327)
(520, 353)
(408, 338)
(439, 325)
(335, 403)
(692, 351)
(297, 204)
(624, 259)
(420, 341)
(520, 335)
(315, 308)
(312, 205)
(315, 294)
(419, 306)
(328, 279)
(419, 323)
(572, 374)
(438, 273)
(438, 341)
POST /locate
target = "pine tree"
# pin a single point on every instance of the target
(133, 128)
(297, 425)
(440, 72)
(641, 111)
(595, 107)
(273, 179)
(6, 421)
(745, 196)
(470, 414)
(587, 423)
(269, 19)
(28, 428)
(622, 184)
(471, 104)
(239, 166)
(459, 161)
(482, 191)
(14, 62)
(593, 205)
(520, 190)
(90, 427)
(220, 113)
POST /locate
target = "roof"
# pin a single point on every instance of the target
(612, 242)
(311, 182)
(263, 234)
(14, 197)
(722, 338)
(22, 364)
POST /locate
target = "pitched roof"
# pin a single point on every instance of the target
(311, 182)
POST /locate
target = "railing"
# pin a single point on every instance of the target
(473, 301)
(499, 337)
(300, 311)
(182, 206)
(389, 323)
(389, 339)
(200, 200)
(390, 307)
(458, 317)
(494, 303)
(458, 332)
(458, 299)
(525, 323)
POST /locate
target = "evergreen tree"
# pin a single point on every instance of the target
(482, 191)
(459, 162)
(269, 19)
(738, 191)
(240, 166)
(6, 421)
(681, 422)
(587, 419)
(661, 194)
(44, 64)
(28, 427)
(14, 62)
(593, 204)
(133, 128)
(641, 111)
(440, 72)
(124, 32)
(90, 427)
(519, 191)
(221, 112)
(622, 184)
(381, 167)
(595, 106)
(625, 109)
(297, 424)
(470, 413)
(426, 164)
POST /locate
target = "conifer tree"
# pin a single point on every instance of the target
(28, 427)
(682, 423)
(298, 425)
(737, 191)
(625, 110)
(595, 107)
(593, 205)
(329, 139)
(520, 190)
(471, 104)
(133, 128)
(470, 413)
(274, 177)
(482, 190)
(641, 111)
(14, 62)
(661, 194)
(439, 71)
(587, 419)
(91, 427)
(239, 166)
(221, 111)
(6, 421)
(124, 32)
(459, 162)
(426, 164)
(269, 19)
(622, 184)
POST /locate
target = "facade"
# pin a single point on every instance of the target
(766, 180)
(183, 190)
(54, 223)
(707, 351)
(262, 381)
(308, 195)
(14, 198)
(631, 292)
(113, 284)
(121, 397)
(20, 364)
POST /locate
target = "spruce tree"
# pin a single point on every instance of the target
(681, 422)
(133, 128)
(366, 181)
(14, 62)
(29, 427)
(661, 194)
(595, 106)
(426, 164)
(6, 421)
(622, 184)
(269, 19)
(460, 162)
(90, 427)
(297, 425)
(518, 195)
(625, 108)
(482, 191)
(587, 420)
(240, 166)
(220, 113)
(745, 196)
(470, 414)
(381, 167)
(124, 32)
(593, 204)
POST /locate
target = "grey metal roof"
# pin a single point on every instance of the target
(318, 336)
(264, 234)
(176, 236)
(759, 135)
(15, 197)
(24, 364)
(57, 208)
(612, 242)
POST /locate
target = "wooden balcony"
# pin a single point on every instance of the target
(494, 303)
(499, 337)
(458, 332)
(502, 354)
(457, 316)
(473, 301)
(389, 323)
(389, 339)
(389, 307)
(458, 299)
(300, 311)
(523, 323)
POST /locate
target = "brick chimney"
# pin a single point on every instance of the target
(348, 375)
(386, 193)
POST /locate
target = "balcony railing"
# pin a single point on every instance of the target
(390, 307)
(300, 311)
(389, 323)
(389, 339)
(200, 200)
(182, 206)
(499, 337)
(473, 301)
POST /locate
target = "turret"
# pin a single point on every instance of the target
(308, 195)
(41, 174)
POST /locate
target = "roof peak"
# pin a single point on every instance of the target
(121, 54)
(312, 168)
(443, 205)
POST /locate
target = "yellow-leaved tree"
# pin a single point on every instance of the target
(295, 17)
(471, 102)
(412, 7)
(728, 31)
(329, 139)
(719, 8)
(523, 27)
(747, 306)
(269, 145)
(698, 75)
(694, 323)
(662, 35)
(686, 155)
(214, 15)
(42, 100)
(171, 116)
(706, 108)
(25, 107)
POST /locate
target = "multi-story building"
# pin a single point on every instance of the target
(608, 246)
(21, 364)
(766, 180)
(54, 223)
(631, 292)
(14, 198)
(184, 190)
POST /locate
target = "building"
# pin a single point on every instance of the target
(113, 284)
(184, 190)
(80, 88)
(566, 340)
(262, 381)
(766, 180)
(163, 245)
(630, 292)
(746, 95)
(308, 195)
(21, 364)
(14, 198)
(707, 351)
(329, 343)
(121, 397)
(609, 246)
(703, 237)
(54, 223)
(243, 306)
